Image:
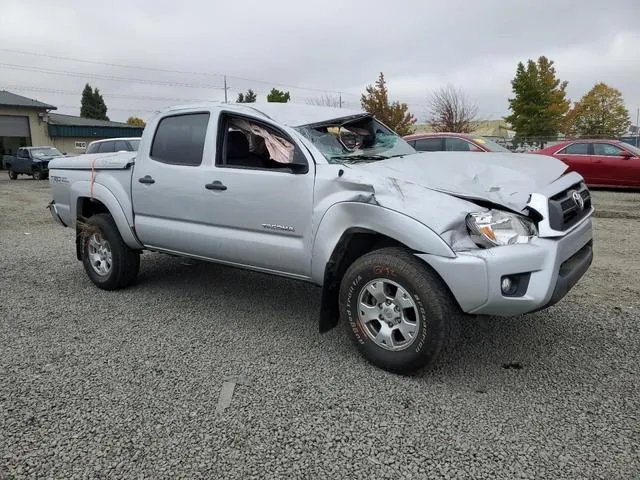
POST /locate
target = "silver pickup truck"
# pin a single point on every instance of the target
(403, 244)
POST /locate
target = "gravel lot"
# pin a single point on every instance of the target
(125, 384)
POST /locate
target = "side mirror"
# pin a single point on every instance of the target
(626, 155)
(64, 153)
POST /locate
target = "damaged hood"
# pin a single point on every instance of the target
(505, 179)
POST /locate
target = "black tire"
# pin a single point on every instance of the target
(125, 262)
(433, 305)
(13, 175)
(38, 175)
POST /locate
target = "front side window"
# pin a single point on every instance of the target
(433, 144)
(179, 139)
(606, 149)
(249, 144)
(134, 145)
(576, 149)
(357, 139)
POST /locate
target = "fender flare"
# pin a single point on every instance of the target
(108, 199)
(344, 216)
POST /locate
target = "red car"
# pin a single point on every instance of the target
(602, 163)
(452, 142)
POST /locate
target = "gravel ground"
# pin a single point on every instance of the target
(126, 384)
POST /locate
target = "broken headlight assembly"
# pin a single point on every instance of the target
(496, 228)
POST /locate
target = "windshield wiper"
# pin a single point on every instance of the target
(348, 158)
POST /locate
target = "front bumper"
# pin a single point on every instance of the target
(552, 267)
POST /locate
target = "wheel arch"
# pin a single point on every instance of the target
(101, 200)
(350, 230)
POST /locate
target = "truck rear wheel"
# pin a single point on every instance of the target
(109, 263)
(12, 175)
(398, 311)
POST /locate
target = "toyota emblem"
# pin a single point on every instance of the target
(577, 198)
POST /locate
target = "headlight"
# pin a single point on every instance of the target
(495, 228)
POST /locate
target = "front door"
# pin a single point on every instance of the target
(22, 162)
(612, 168)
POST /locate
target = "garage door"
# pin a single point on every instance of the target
(13, 126)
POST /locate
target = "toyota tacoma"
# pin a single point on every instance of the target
(402, 243)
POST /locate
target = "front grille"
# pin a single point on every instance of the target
(564, 211)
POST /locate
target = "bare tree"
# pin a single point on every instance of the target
(451, 111)
(325, 101)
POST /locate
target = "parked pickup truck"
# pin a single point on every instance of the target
(33, 161)
(402, 243)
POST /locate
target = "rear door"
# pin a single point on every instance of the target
(577, 156)
(612, 168)
(169, 204)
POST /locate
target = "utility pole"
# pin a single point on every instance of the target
(340, 98)
(225, 89)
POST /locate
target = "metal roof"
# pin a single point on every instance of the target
(73, 121)
(70, 126)
(8, 99)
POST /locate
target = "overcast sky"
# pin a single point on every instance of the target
(317, 46)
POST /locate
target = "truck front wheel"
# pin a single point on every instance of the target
(398, 311)
(109, 263)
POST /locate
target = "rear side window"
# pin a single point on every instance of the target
(106, 147)
(429, 145)
(576, 149)
(179, 139)
(122, 145)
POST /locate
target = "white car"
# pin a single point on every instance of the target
(111, 145)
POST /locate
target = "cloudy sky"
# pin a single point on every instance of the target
(183, 49)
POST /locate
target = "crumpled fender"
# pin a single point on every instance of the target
(344, 216)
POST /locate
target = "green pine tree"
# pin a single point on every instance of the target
(539, 104)
(92, 104)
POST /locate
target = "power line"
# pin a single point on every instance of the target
(64, 73)
(109, 95)
(165, 70)
(114, 109)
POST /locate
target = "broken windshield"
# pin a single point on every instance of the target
(362, 139)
